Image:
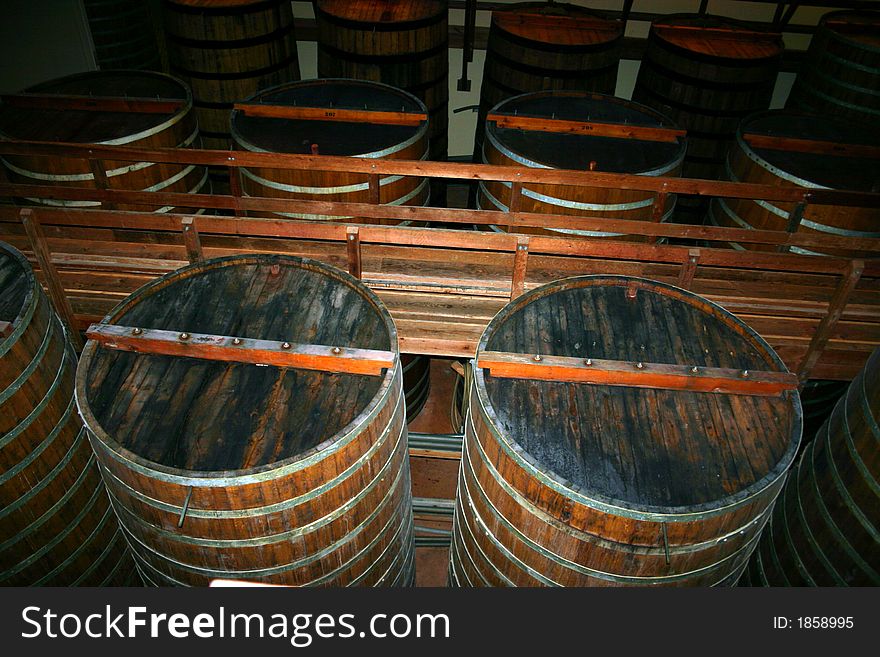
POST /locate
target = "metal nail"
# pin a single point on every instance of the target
(337, 350)
(285, 345)
(137, 331)
(589, 361)
(184, 336)
(537, 358)
(640, 365)
(236, 341)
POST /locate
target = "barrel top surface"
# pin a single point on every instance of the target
(646, 449)
(557, 24)
(714, 36)
(200, 416)
(383, 11)
(858, 27)
(815, 169)
(331, 137)
(215, 4)
(16, 282)
(576, 151)
(88, 126)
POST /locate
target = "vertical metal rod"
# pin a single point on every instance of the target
(665, 543)
(185, 507)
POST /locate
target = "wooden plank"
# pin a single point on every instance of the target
(298, 113)
(636, 375)
(520, 262)
(689, 269)
(324, 358)
(50, 275)
(191, 240)
(826, 327)
(65, 102)
(353, 249)
(816, 146)
(612, 130)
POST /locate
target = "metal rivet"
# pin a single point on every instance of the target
(184, 336)
(640, 365)
(236, 341)
(589, 361)
(137, 331)
(695, 369)
(285, 345)
(537, 358)
(337, 350)
(745, 374)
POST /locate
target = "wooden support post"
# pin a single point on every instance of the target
(235, 190)
(353, 247)
(689, 269)
(664, 376)
(323, 358)
(53, 281)
(658, 209)
(515, 199)
(191, 240)
(794, 222)
(847, 284)
(101, 182)
(374, 189)
(520, 262)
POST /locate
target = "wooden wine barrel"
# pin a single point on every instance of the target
(124, 34)
(706, 73)
(535, 46)
(293, 472)
(831, 155)
(416, 383)
(524, 137)
(403, 43)
(56, 524)
(627, 468)
(824, 530)
(840, 76)
(227, 50)
(350, 131)
(140, 109)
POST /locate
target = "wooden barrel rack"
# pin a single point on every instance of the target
(252, 432)
(595, 456)
(56, 524)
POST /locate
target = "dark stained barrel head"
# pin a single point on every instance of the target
(717, 37)
(861, 28)
(643, 449)
(16, 284)
(90, 126)
(577, 151)
(202, 415)
(382, 11)
(559, 25)
(811, 169)
(331, 137)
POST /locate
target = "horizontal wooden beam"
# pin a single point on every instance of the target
(613, 130)
(93, 103)
(346, 360)
(819, 147)
(636, 374)
(296, 113)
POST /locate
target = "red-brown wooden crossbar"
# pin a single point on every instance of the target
(596, 129)
(636, 374)
(299, 113)
(347, 360)
(92, 103)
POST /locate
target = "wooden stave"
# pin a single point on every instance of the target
(668, 71)
(55, 530)
(840, 76)
(515, 65)
(269, 56)
(553, 499)
(743, 164)
(562, 199)
(817, 538)
(321, 186)
(269, 485)
(177, 131)
(416, 383)
(411, 55)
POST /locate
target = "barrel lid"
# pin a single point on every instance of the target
(219, 4)
(16, 287)
(114, 126)
(567, 150)
(860, 28)
(332, 137)
(195, 417)
(717, 36)
(382, 11)
(646, 450)
(557, 24)
(822, 168)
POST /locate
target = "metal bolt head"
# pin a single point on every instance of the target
(640, 365)
(745, 374)
(136, 331)
(285, 345)
(236, 341)
(184, 336)
(695, 369)
(336, 350)
(588, 362)
(537, 358)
